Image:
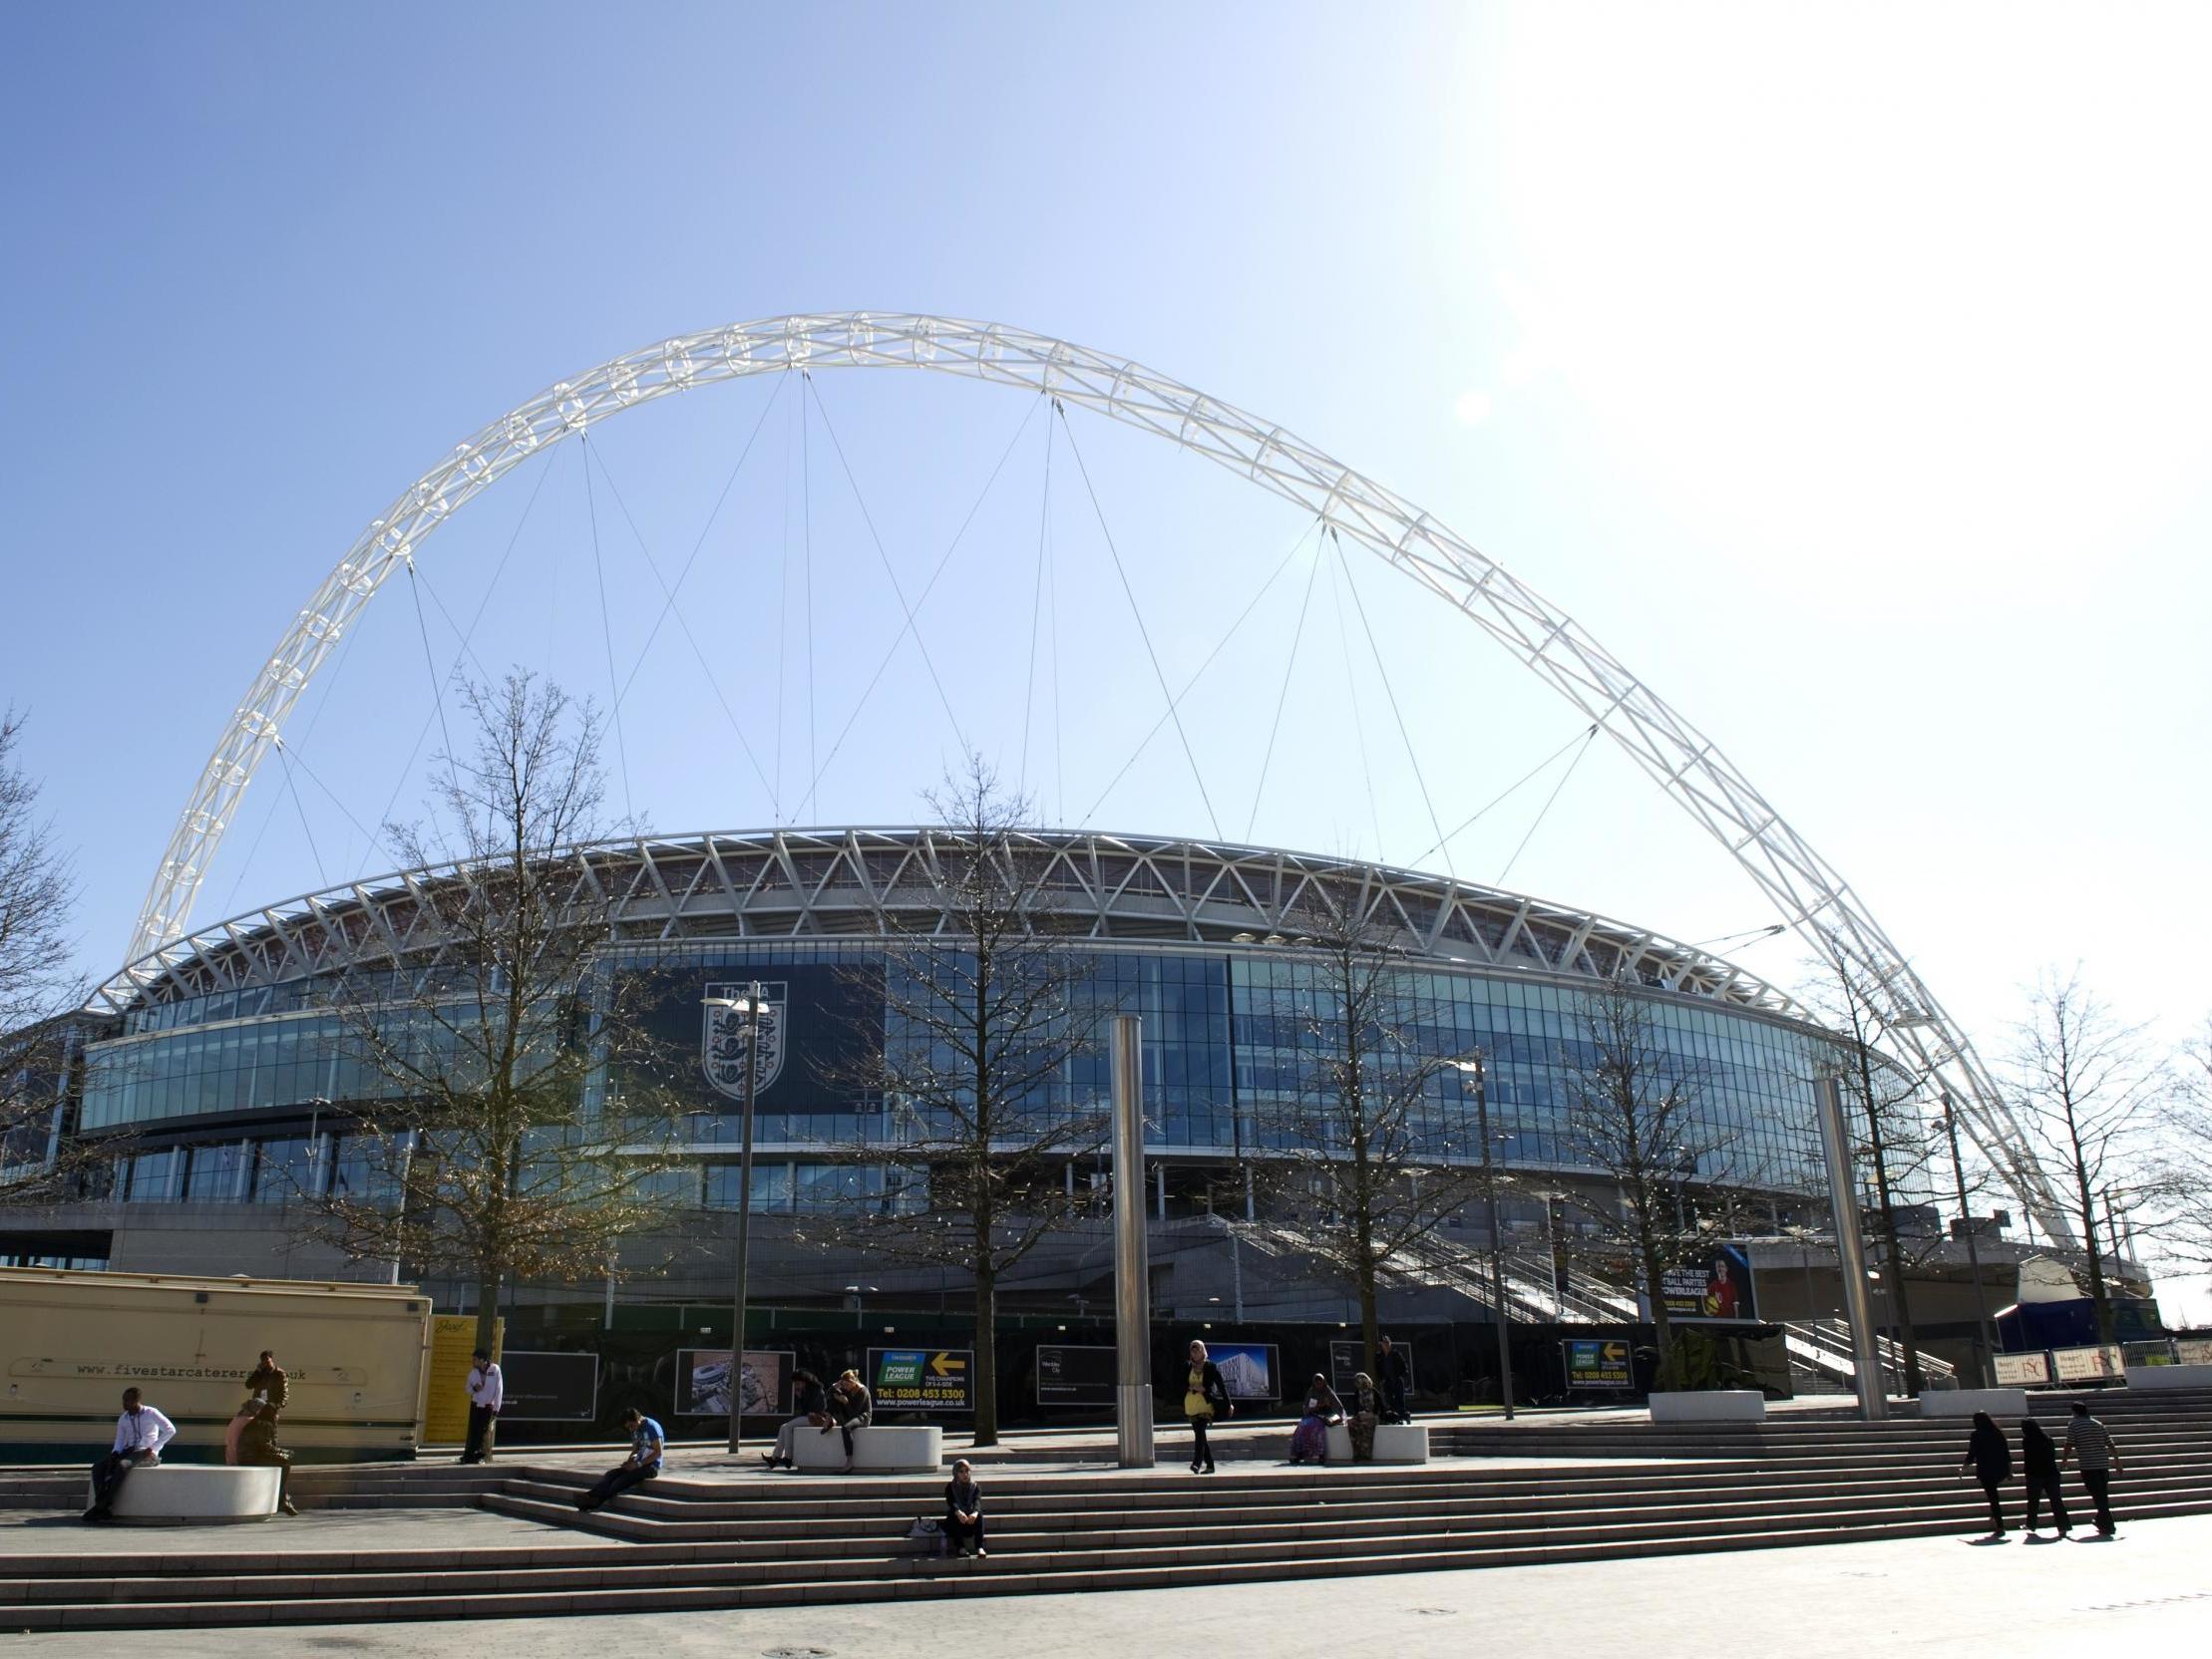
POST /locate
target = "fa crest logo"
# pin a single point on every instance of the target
(727, 1035)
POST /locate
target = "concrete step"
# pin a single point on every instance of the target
(947, 1578)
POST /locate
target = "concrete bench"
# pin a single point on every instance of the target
(1965, 1402)
(1716, 1405)
(876, 1450)
(1395, 1443)
(197, 1494)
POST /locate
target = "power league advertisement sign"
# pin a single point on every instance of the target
(1715, 1286)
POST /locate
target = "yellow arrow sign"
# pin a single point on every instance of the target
(945, 1365)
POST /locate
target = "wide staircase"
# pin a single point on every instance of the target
(687, 1544)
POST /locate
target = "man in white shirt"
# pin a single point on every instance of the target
(141, 1433)
(486, 1392)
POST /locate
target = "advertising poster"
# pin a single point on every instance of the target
(1248, 1369)
(446, 1381)
(1075, 1376)
(703, 1382)
(1348, 1358)
(1715, 1286)
(921, 1379)
(549, 1386)
(2022, 1370)
(1601, 1363)
(2086, 1365)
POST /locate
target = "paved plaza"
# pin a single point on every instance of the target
(2150, 1591)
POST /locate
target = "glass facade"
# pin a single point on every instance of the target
(1229, 1039)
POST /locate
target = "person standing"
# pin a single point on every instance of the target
(812, 1407)
(141, 1433)
(2089, 1444)
(2039, 1456)
(486, 1392)
(257, 1445)
(1397, 1377)
(1992, 1461)
(1204, 1397)
(267, 1381)
(647, 1443)
(964, 1512)
(850, 1409)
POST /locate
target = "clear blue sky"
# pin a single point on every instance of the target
(1842, 370)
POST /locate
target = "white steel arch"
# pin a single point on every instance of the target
(1807, 892)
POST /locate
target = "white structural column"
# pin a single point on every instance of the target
(1808, 894)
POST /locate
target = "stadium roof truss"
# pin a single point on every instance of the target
(828, 884)
(1806, 891)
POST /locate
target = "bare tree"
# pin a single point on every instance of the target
(1368, 1136)
(37, 894)
(2179, 1191)
(495, 1163)
(986, 1003)
(2087, 1087)
(1890, 1140)
(1635, 1109)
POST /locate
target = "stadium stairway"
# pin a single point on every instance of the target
(682, 1543)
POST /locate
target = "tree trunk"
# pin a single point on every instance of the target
(491, 1284)
(2100, 1298)
(985, 1380)
(1370, 1325)
(1662, 1330)
(1900, 1301)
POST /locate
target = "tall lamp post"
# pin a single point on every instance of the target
(1985, 1363)
(1472, 1067)
(749, 1005)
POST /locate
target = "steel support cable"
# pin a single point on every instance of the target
(481, 605)
(713, 516)
(1469, 821)
(316, 779)
(1390, 692)
(1282, 697)
(783, 607)
(430, 663)
(607, 627)
(883, 557)
(1191, 684)
(806, 536)
(285, 761)
(698, 653)
(1358, 718)
(891, 651)
(1037, 608)
(1546, 808)
(1128, 592)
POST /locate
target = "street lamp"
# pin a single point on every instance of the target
(1472, 1067)
(750, 1006)
(855, 1291)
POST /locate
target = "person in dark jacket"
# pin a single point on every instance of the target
(2040, 1461)
(1992, 1461)
(1397, 1377)
(257, 1445)
(267, 1381)
(850, 1409)
(811, 1406)
(964, 1513)
(1204, 1398)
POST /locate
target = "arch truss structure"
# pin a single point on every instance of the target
(1806, 891)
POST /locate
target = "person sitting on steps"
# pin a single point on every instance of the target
(646, 1445)
(964, 1512)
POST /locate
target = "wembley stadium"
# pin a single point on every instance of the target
(205, 1095)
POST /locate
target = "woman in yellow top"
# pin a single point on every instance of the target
(1204, 1397)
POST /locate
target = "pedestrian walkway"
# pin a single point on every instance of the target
(2149, 1592)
